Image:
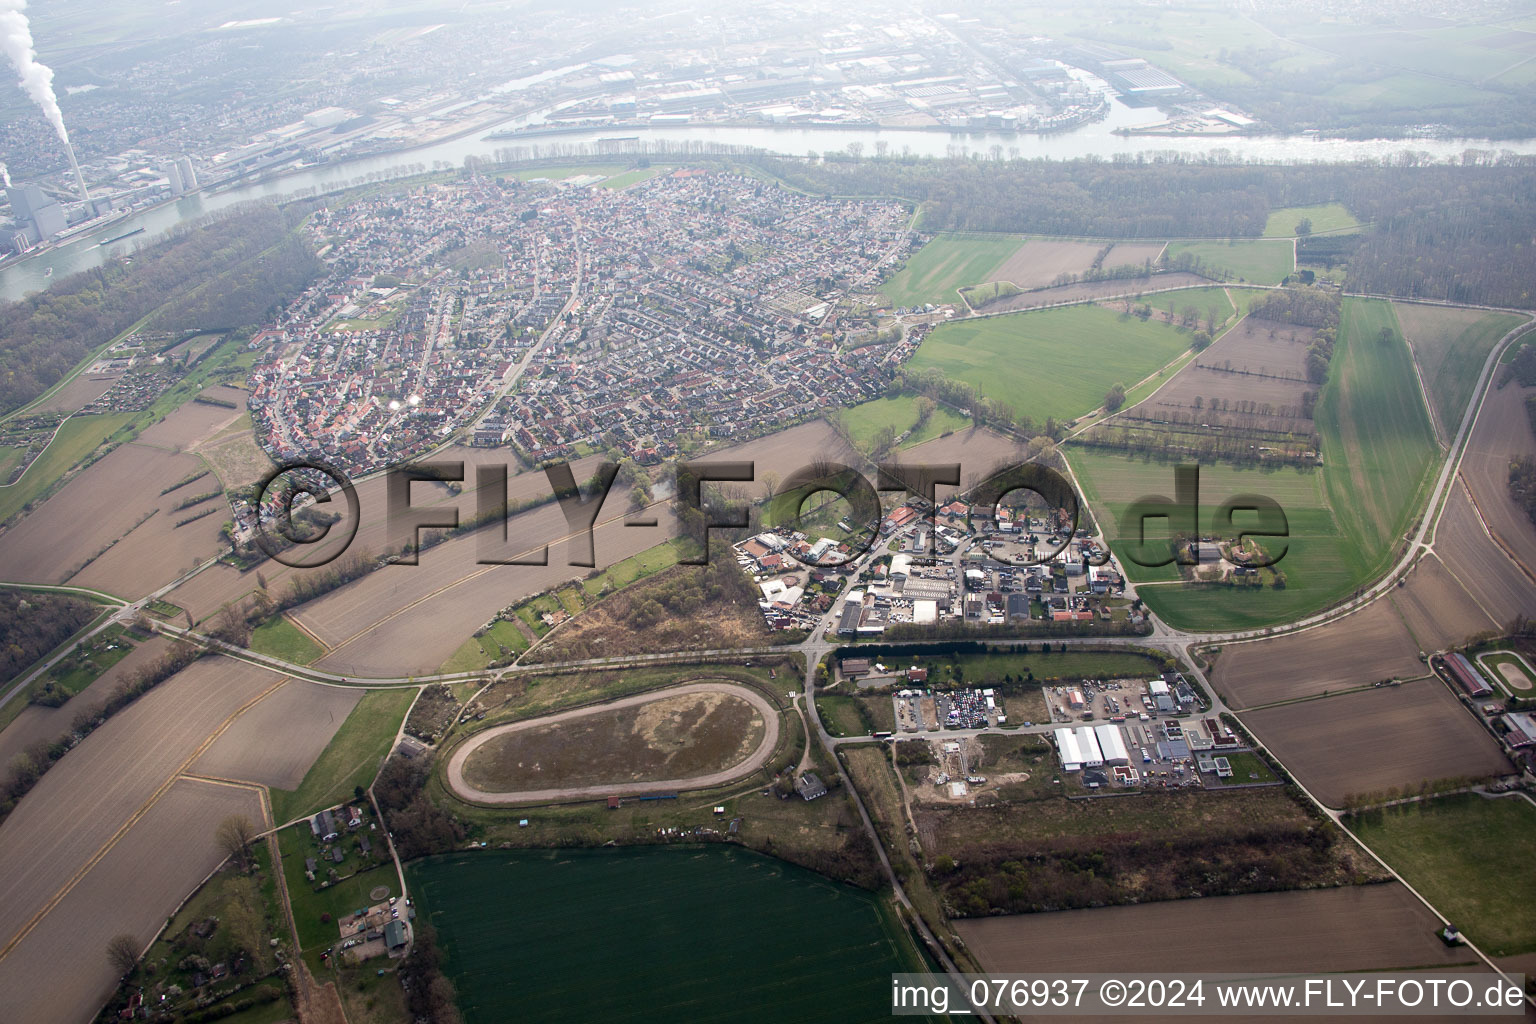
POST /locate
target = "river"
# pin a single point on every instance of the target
(1091, 140)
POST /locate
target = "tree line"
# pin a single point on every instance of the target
(230, 269)
(1459, 232)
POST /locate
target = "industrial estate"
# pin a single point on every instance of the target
(738, 570)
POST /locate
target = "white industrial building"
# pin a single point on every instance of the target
(1111, 744)
(1066, 747)
(1088, 743)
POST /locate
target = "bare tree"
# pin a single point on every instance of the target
(123, 953)
(234, 836)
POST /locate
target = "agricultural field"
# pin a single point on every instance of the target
(450, 589)
(1502, 430)
(1251, 260)
(1039, 668)
(1378, 443)
(1362, 648)
(1372, 741)
(694, 736)
(1468, 855)
(78, 393)
(1029, 857)
(33, 723)
(1349, 928)
(196, 422)
(682, 906)
(1118, 289)
(126, 545)
(1248, 388)
(1500, 589)
(1054, 363)
(306, 716)
(121, 767)
(1319, 563)
(234, 456)
(1326, 218)
(352, 757)
(1344, 519)
(1450, 345)
(899, 413)
(1040, 261)
(1437, 609)
(78, 436)
(936, 271)
(133, 888)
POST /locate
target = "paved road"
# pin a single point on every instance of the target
(759, 757)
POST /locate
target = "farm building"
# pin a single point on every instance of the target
(1111, 744)
(1522, 729)
(1068, 750)
(810, 786)
(1467, 677)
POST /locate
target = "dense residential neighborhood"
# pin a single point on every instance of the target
(571, 318)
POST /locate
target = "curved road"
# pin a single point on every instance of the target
(759, 757)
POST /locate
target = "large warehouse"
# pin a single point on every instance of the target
(1071, 754)
(1111, 745)
(1079, 748)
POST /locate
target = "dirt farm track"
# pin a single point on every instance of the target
(770, 714)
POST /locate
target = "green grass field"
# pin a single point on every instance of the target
(1320, 564)
(478, 652)
(1055, 362)
(278, 637)
(636, 567)
(1259, 260)
(86, 664)
(1377, 442)
(628, 178)
(352, 758)
(10, 457)
(709, 933)
(1470, 857)
(938, 269)
(1326, 218)
(845, 716)
(899, 412)
(76, 439)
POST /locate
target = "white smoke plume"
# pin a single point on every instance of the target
(5, 175)
(36, 79)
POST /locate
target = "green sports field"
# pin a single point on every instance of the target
(936, 271)
(1326, 218)
(1470, 857)
(1052, 363)
(1255, 260)
(701, 934)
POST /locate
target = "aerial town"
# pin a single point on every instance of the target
(579, 318)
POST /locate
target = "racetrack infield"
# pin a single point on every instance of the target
(734, 731)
